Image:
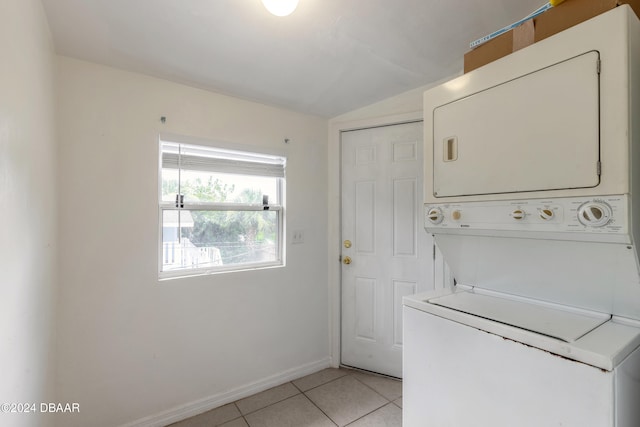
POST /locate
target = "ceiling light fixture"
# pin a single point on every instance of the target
(280, 7)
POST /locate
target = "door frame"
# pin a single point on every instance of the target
(334, 214)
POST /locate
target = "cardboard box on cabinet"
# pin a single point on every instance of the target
(565, 15)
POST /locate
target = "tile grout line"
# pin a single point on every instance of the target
(367, 414)
(271, 404)
(362, 371)
(320, 385)
(300, 392)
(241, 416)
(375, 391)
(320, 409)
(304, 393)
(298, 388)
(348, 374)
(312, 402)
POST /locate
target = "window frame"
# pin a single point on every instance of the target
(189, 206)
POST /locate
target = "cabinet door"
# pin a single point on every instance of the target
(534, 133)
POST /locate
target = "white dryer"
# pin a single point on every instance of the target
(532, 162)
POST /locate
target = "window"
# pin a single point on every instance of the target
(220, 210)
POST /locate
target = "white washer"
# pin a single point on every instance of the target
(465, 369)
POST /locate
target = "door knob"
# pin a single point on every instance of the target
(347, 244)
(347, 260)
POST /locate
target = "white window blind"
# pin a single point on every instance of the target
(185, 157)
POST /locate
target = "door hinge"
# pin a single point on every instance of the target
(598, 66)
(599, 167)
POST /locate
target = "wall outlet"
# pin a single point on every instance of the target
(297, 237)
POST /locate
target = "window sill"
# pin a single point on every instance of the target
(183, 274)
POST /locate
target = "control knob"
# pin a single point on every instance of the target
(546, 214)
(594, 214)
(435, 215)
(518, 214)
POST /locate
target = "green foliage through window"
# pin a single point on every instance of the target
(226, 220)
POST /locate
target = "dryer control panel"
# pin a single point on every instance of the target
(606, 215)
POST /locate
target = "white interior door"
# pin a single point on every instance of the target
(386, 253)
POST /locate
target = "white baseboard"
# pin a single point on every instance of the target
(199, 406)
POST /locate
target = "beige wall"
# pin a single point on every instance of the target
(133, 350)
(132, 347)
(28, 243)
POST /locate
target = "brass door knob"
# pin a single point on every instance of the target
(347, 260)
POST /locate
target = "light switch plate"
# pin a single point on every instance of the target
(297, 237)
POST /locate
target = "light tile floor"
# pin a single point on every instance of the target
(331, 397)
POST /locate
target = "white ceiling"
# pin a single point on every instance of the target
(327, 58)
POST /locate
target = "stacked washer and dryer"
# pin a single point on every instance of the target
(531, 191)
